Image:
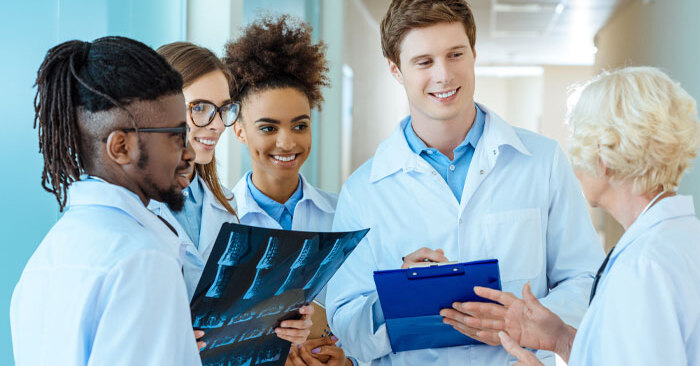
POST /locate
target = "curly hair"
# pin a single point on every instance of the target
(641, 124)
(277, 53)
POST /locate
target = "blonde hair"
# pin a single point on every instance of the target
(641, 124)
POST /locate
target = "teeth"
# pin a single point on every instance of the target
(207, 141)
(284, 158)
(446, 95)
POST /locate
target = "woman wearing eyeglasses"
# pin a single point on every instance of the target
(208, 204)
(635, 132)
(279, 74)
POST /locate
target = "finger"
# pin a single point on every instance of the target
(296, 336)
(201, 345)
(481, 309)
(426, 253)
(485, 324)
(306, 310)
(514, 349)
(488, 337)
(504, 298)
(308, 358)
(528, 296)
(198, 334)
(453, 314)
(334, 352)
(296, 324)
(294, 357)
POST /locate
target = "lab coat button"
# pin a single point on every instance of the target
(452, 167)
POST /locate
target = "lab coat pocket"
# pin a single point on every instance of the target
(515, 239)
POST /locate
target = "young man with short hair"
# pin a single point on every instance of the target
(456, 182)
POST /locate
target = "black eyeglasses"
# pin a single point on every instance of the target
(182, 130)
(202, 112)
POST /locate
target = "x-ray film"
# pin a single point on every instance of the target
(254, 279)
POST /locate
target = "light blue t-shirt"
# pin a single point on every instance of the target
(190, 218)
(453, 172)
(282, 213)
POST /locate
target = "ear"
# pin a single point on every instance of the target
(602, 168)
(395, 71)
(122, 148)
(474, 50)
(240, 131)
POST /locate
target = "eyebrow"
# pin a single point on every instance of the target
(209, 101)
(413, 59)
(271, 120)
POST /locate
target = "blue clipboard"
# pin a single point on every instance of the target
(411, 300)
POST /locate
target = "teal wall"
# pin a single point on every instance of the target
(29, 29)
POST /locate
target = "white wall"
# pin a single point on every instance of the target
(379, 100)
(662, 34)
(518, 99)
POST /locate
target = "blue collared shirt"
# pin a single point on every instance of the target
(454, 172)
(282, 213)
(190, 217)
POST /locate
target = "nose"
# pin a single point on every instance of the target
(441, 72)
(217, 125)
(285, 140)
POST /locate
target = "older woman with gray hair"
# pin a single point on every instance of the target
(634, 134)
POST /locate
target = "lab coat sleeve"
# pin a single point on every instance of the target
(144, 315)
(640, 324)
(574, 251)
(353, 309)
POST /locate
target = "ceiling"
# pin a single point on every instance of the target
(532, 32)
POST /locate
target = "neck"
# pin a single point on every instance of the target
(443, 135)
(625, 206)
(279, 189)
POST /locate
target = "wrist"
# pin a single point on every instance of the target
(565, 340)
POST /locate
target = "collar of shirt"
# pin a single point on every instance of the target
(194, 191)
(665, 209)
(394, 154)
(246, 204)
(272, 207)
(472, 138)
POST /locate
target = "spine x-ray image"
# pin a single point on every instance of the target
(254, 279)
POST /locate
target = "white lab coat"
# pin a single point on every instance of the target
(521, 204)
(313, 212)
(104, 287)
(214, 214)
(646, 310)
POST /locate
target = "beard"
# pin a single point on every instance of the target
(171, 197)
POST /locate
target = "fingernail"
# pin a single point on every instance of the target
(334, 338)
(316, 350)
(299, 345)
(290, 350)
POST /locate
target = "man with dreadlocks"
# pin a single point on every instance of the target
(105, 285)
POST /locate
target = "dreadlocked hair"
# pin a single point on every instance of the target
(277, 53)
(110, 72)
(193, 62)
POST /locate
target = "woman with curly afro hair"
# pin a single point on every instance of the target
(278, 75)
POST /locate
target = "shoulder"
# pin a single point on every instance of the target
(99, 236)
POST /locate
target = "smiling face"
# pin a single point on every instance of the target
(437, 70)
(212, 88)
(158, 172)
(276, 126)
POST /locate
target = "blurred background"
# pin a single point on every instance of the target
(529, 52)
